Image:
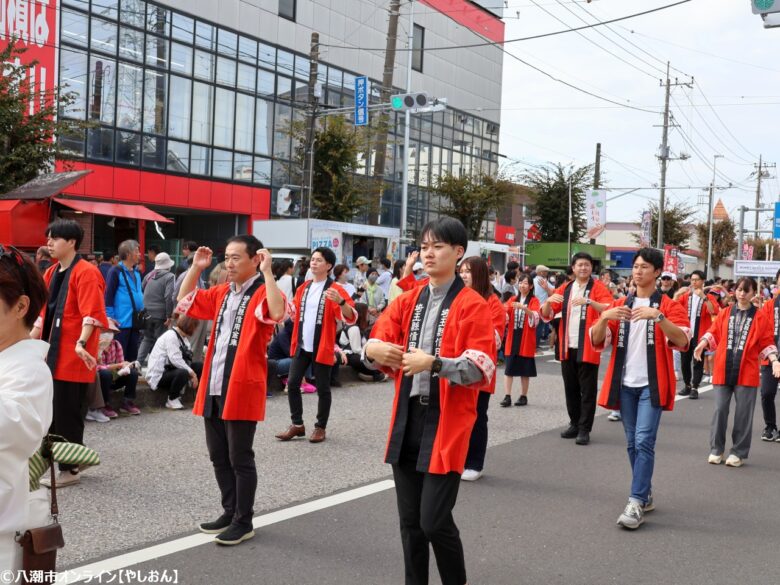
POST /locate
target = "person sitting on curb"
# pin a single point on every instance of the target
(170, 363)
(114, 373)
(351, 340)
(279, 354)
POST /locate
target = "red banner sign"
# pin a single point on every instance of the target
(671, 259)
(505, 234)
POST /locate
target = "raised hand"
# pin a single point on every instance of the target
(266, 260)
(333, 295)
(202, 258)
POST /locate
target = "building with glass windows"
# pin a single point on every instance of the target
(189, 103)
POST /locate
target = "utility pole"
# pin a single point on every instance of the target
(708, 267)
(664, 154)
(761, 168)
(408, 122)
(597, 174)
(382, 126)
(314, 59)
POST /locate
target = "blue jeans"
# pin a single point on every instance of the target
(283, 367)
(640, 422)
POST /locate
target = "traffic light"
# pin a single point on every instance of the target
(409, 101)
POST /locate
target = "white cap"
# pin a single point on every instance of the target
(671, 275)
(417, 266)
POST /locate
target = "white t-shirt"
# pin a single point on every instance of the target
(575, 313)
(694, 301)
(635, 374)
(313, 296)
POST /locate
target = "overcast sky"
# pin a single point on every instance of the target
(732, 58)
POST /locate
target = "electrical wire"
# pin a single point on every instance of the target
(714, 111)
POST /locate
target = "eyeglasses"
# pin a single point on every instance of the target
(666, 278)
(18, 261)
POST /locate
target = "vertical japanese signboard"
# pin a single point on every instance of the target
(361, 101)
(644, 234)
(34, 25)
(596, 212)
(671, 259)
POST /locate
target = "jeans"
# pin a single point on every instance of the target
(640, 423)
(283, 367)
(542, 332)
(677, 360)
(154, 328)
(129, 340)
(108, 383)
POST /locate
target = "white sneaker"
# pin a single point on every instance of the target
(614, 416)
(677, 375)
(715, 459)
(174, 404)
(632, 517)
(64, 479)
(471, 475)
(97, 415)
(734, 461)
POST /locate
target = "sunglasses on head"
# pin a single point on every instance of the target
(666, 278)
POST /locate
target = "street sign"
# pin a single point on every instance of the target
(765, 6)
(776, 222)
(760, 268)
(361, 101)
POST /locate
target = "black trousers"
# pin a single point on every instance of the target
(768, 393)
(425, 504)
(175, 380)
(70, 402)
(580, 382)
(230, 449)
(298, 369)
(686, 360)
(479, 434)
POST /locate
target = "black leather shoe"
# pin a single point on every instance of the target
(685, 391)
(216, 526)
(694, 395)
(570, 433)
(522, 401)
(583, 438)
(507, 401)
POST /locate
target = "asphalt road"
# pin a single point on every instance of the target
(544, 512)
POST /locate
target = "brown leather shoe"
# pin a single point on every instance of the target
(292, 432)
(318, 436)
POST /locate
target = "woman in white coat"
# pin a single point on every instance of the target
(25, 401)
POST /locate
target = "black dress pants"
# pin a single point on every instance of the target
(230, 449)
(298, 369)
(425, 504)
(70, 401)
(479, 434)
(686, 361)
(768, 393)
(580, 382)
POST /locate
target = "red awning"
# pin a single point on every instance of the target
(113, 209)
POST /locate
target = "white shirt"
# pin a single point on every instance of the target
(635, 373)
(26, 394)
(285, 284)
(694, 301)
(575, 313)
(385, 276)
(166, 350)
(313, 296)
(349, 288)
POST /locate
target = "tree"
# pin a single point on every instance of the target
(550, 207)
(472, 199)
(724, 240)
(760, 248)
(28, 140)
(338, 192)
(677, 218)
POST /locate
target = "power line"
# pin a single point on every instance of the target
(715, 134)
(724, 124)
(530, 38)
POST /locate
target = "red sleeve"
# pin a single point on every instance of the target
(409, 282)
(91, 296)
(339, 315)
(390, 325)
(498, 313)
(475, 341)
(601, 294)
(557, 307)
(676, 314)
(716, 302)
(201, 303)
(717, 326)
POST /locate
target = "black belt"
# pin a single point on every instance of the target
(422, 400)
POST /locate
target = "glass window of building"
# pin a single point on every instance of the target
(202, 108)
(264, 127)
(228, 43)
(242, 167)
(418, 45)
(222, 164)
(245, 113)
(282, 131)
(285, 62)
(72, 142)
(100, 144)
(158, 20)
(223, 118)
(153, 152)
(204, 65)
(284, 88)
(178, 157)
(179, 111)
(133, 12)
(128, 104)
(73, 79)
(181, 59)
(131, 44)
(302, 67)
(106, 8)
(103, 36)
(200, 160)
(157, 51)
(205, 36)
(246, 77)
(75, 27)
(266, 55)
(102, 78)
(262, 171)
(83, 4)
(182, 27)
(265, 83)
(128, 148)
(247, 50)
(226, 71)
(155, 101)
(287, 9)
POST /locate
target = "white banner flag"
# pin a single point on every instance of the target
(596, 212)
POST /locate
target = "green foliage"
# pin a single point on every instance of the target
(677, 218)
(724, 240)
(472, 199)
(550, 199)
(28, 144)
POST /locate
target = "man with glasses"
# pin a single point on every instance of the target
(702, 309)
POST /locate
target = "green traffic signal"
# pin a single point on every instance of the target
(397, 102)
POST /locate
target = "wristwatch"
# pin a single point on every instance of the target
(82, 343)
(660, 318)
(436, 366)
(341, 302)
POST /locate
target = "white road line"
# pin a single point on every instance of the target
(92, 570)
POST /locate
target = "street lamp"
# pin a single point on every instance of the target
(710, 210)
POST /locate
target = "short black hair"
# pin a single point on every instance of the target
(447, 230)
(153, 248)
(512, 265)
(252, 243)
(192, 246)
(67, 229)
(371, 271)
(651, 256)
(385, 262)
(327, 254)
(746, 280)
(510, 275)
(581, 256)
(698, 273)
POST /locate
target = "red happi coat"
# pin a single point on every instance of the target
(760, 343)
(325, 353)
(498, 316)
(531, 316)
(84, 304)
(464, 333)
(599, 293)
(664, 359)
(769, 312)
(245, 398)
(706, 320)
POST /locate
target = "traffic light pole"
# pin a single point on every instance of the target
(408, 114)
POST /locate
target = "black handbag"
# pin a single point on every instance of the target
(40, 545)
(139, 317)
(186, 353)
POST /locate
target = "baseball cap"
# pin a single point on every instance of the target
(361, 260)
(417, 266)
(669, 275)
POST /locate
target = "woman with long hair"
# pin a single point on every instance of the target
(398, 274)
(475, 275)
(520, 349)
